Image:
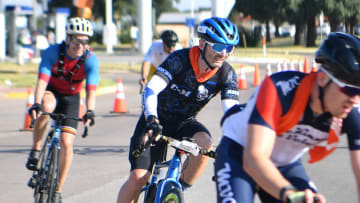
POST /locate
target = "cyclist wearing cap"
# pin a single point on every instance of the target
(157, 53)
(292, 113)
(62, 70)
(180, 87)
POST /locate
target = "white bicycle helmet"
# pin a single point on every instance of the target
(79, 26)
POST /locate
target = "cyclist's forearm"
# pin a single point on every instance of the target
(355, 164)
(257, 162)
(149, 100)
(145, 69)
(90, 99)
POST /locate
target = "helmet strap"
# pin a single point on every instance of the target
(202, 53)
(321, 95)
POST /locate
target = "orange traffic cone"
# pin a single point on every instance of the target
(81, 108)
(186, 44)
(119, 103)
(256, 75)
(306, 66)
(314, 66)
(268, 69)
(242, 84)
(300, 66)
(292, 67)
(285, 66)
(30, 102)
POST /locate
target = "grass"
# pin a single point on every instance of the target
(26, 76)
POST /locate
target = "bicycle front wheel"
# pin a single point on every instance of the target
(52, 175)
(173, 195)
(39, 174)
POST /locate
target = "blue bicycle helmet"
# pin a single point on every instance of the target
(218, 30)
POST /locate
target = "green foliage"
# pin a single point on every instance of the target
(125, 37)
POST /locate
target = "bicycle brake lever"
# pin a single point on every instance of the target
(85, 133)
(32, 123)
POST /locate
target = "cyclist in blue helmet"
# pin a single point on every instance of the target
(180, 87)
(220, 34)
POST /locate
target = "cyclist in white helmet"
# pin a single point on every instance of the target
(62, 71)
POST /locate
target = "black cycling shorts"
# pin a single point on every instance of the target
(67, 105)
(155, 153)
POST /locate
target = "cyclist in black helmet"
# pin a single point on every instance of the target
(156, 54)
(181, 86)
(292, 113)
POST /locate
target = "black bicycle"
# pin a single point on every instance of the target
(45, 179)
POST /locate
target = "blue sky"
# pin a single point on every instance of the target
(184, 5)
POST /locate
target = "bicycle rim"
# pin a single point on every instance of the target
(41, 166)
(173, 196)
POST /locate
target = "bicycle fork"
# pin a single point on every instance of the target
(172, 177)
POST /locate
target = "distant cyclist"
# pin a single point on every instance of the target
(180, 87)
(62, 70)
(157, 53)
(292, 113)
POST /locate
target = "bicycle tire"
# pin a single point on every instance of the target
(173, 195)
(51, 181)
(41, 167)
(151, 194)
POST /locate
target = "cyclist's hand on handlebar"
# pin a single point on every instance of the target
(153, 127)
(306, 196)
(89, 118)
(142, 81)
(35, 110)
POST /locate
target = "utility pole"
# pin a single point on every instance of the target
(2, 33)
(109, 24)
(33, 19)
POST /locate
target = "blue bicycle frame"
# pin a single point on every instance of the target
(172, 175)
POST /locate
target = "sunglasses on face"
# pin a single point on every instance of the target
(219, 48)
(347, 89)
(79, 41)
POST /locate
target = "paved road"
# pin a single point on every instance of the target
(100, 163)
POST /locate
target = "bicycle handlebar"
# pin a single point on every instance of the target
(184, 145)
(59, 118)
(297, 197)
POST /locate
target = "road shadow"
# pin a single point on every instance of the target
(98, 150)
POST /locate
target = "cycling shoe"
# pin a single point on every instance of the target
(33, 159)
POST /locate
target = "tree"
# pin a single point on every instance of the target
(262, 10)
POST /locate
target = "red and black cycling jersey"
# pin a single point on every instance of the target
(186, 93)
(49, 66)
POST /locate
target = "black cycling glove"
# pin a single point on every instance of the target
(35, 107)
(152, 123)
(90, 115)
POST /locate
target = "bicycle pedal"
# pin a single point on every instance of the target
(32, 182)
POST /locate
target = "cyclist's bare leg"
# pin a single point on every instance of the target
(40, 125)
(195, 166)
(66, 157)
(130, 190)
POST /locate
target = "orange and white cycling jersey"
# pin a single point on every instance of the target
(281, 103)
